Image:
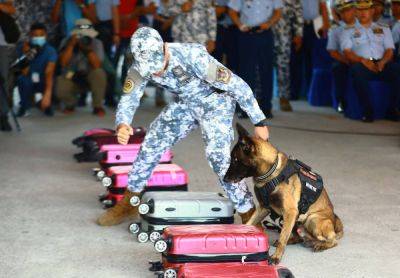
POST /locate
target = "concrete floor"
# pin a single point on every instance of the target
(48, 202)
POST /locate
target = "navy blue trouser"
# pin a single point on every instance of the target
(226, 44)
(256, 51)
(340, 73)
(27, 89)
(361, 75)
(301, 63)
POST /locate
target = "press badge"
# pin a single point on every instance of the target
(35, 77)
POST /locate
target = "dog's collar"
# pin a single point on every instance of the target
(270, 171)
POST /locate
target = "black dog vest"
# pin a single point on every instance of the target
(311, 185)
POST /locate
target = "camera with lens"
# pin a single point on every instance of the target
(85, 40)
(24, 60)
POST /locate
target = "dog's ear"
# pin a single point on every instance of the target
(243, 133)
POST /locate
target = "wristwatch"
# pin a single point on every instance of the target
(262, 123)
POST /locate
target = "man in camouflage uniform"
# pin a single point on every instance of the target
(288, 30)
(195, 22)
(207, 93)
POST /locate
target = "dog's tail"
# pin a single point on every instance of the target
(338, 227)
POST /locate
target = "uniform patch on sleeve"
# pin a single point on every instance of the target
(132, 81)
(218, 73)
(128, 86)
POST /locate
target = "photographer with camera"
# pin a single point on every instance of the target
(36, 69)
(81, 60)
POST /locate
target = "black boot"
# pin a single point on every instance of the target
(5, 124)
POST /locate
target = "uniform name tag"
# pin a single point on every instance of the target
(378, 31)
(180, 74)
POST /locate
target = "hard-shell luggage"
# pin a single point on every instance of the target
(92, 143)
(228, 270)
(211, 244)
(103, 136)
(165, 177)
(159, 210)
(113, 155)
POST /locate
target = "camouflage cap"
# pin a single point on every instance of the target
(147, 48)
(364, 4)
(344, 4)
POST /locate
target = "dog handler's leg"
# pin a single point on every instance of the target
(173, 124)
(218, 135)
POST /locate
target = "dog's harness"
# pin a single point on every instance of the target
(311, 184)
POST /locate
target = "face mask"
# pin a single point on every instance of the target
(38, 41)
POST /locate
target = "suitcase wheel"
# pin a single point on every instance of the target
(156, 266)
(144, 209)
(100, 174)
(106, 181)
(143, 237)
(154, 236)
(102, 197)
(108, 203)
(160, 245)
(134, 228)
(135, 201)
(170, 273)
(285, 273)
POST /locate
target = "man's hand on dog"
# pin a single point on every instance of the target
(124, 131)
(261, 132)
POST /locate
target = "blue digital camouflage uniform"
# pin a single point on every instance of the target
(207, 93)
(199, 25)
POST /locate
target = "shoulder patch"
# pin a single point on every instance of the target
(218, 73)
(132, 81)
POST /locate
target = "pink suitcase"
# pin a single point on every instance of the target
(165, 177)
(101, 136)
(125, 154)
(97, 131)
(229, 270)
(210, 244)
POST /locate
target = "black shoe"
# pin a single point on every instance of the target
(341, 107)
(22, 112)
(268, 114)
(367, 119)
(49, 112)
(393, 116)
(5, 124)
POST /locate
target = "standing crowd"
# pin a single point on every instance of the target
(68, 48)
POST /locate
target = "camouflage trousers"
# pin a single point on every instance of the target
(213, 114)
(282, 49)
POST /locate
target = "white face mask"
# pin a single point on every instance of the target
(38, 41)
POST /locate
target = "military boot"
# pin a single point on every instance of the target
(121, 211)
(285, 105)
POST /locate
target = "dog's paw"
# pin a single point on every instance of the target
(275, 258)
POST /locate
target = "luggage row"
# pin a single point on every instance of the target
(193, 231)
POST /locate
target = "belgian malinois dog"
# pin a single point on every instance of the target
(318, 227)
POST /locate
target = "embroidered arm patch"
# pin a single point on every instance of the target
(132, 82)
(218, 73)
